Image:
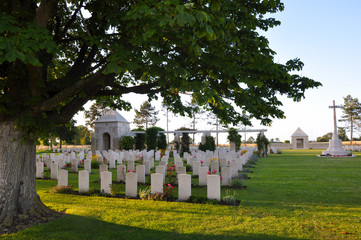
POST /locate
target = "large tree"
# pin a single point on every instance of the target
(57, 55)
(351, 114)
(95, 111)
(146, 115)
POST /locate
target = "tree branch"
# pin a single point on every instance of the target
(144, 88)
(45, 12)
(72, 18)
(71, 91)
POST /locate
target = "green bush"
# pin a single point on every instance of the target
(95, 164)
(237, 183)
(233, 136)
(156, 197)
(188, 167)
(242, 176)
(262, 144)
(230, 198)
(62, 189)
(151, 135)
(139, 139)
(162, 141)
(127, 143)
(246, 169)
(209, 145)
(143, 193)
(197, 199)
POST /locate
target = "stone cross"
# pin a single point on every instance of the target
(334, 119)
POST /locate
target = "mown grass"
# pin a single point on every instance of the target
(295, 195)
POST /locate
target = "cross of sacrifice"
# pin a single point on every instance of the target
(334, 119)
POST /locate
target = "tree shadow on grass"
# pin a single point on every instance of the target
(87, 228)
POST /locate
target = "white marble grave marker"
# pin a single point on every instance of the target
(131, 184)
(83, 181)
(140, 170)
(156, 182)
(213, 187)
(106, 182)
(54, 171)
(39, 170)
(203, 172)
(184, 187)
(63, 177)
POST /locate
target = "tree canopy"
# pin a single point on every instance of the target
(351, 114)
(146, 115)
(57, 55)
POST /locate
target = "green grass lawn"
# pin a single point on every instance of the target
(295, 195)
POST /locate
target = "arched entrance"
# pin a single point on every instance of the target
(106, 141)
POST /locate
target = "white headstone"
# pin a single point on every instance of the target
(106, 182)
(140, 170)
(160, 169)
(213, 187)
(131, 185)
(184, 187)
(156, 182)
(83, 181)
(121, 171)
(215, 167)
(63, 177)
(196, 167)
(226, 175)
(39, 170)
(88, 165)
(74, 166)
(203, 172)
(234, 169)
(130, 165)
(54, 171)
(147, 167)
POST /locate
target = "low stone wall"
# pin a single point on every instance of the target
(40, 147)
(312, 145)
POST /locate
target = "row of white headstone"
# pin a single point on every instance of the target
(156, 179)
(352, 148)
(199, 161)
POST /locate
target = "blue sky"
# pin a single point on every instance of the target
(325, 35)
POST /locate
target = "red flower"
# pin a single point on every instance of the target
(215, 171)
(209, 172)
(123, 168)
(128, 170)
(169, 185)
(133, 171)
(221, 177)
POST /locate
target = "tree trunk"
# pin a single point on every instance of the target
(351, 133)
(19, 202)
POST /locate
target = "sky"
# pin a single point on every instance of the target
(325, 35)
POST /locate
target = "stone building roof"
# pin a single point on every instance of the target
(299, 133)
(112, 116)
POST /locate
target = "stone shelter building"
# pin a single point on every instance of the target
(299, 139)
(108, 131)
